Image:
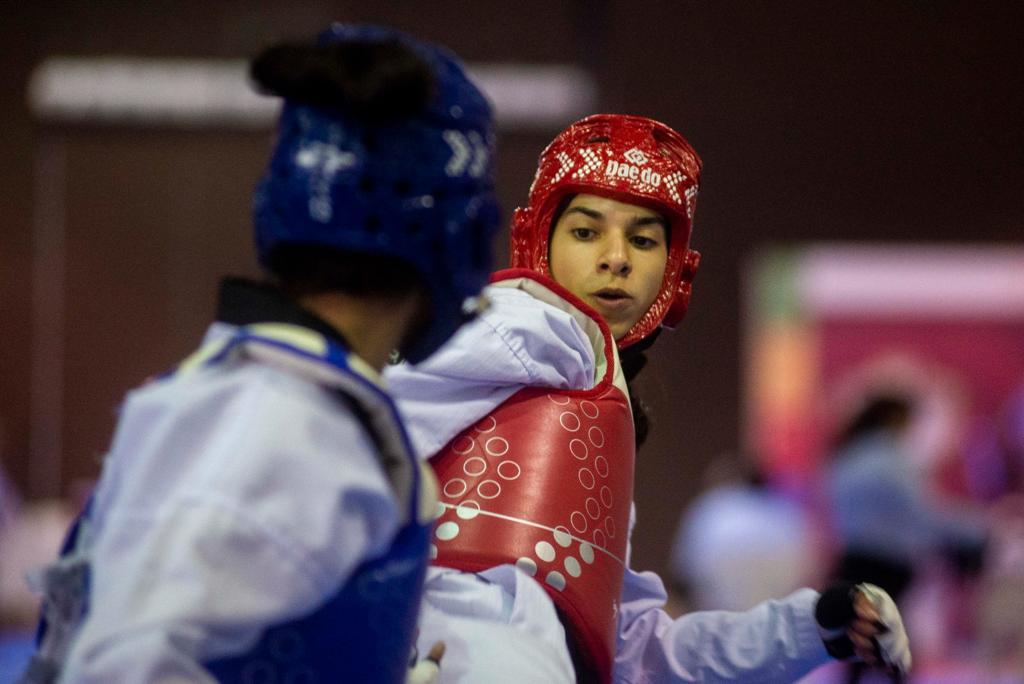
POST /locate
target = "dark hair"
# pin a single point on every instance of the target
(302, 270)
(633, 361)
(563, 204)
(312, 269)
(641, 417)
(883, 411)
(378, 81)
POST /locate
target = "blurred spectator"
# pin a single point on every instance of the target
(10, 504)
(30, 541)
(742, 542)
(994, 456)
(1001, 624)
(886, 520)
(30, 535)
(1013, 436)
(882, 512)
(8, 500)
(1001, 595)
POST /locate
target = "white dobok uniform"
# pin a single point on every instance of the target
(500, 625)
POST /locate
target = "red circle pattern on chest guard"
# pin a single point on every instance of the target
(545, 483)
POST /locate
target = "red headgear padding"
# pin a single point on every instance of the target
(631, 159)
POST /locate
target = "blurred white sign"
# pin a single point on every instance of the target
(195, 93)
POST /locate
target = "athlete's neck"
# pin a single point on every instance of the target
(373, 326)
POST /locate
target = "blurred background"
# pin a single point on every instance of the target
(865, 152)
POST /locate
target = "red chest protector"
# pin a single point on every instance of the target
(545, 482)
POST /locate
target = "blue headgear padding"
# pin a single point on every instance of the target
(419, 189)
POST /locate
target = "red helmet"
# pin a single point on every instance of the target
(631, 159)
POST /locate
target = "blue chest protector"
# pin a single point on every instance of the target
(364, 632)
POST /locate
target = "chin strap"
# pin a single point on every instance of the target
(835, 614)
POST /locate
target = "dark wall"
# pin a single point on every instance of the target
(816, 121)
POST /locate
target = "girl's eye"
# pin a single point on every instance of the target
(583, 233)
(644, 242)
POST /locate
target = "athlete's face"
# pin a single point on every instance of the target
(611, 255)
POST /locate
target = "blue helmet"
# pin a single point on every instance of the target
(417, 188)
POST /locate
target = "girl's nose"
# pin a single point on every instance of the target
(615, 256)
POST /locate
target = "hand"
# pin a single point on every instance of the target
(877, 630)
(862, 622)
(426, 671)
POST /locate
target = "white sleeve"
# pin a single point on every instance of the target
(220, 516)
(776, 641)
(518, 342)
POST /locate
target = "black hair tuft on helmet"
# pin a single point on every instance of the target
(372, 80)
